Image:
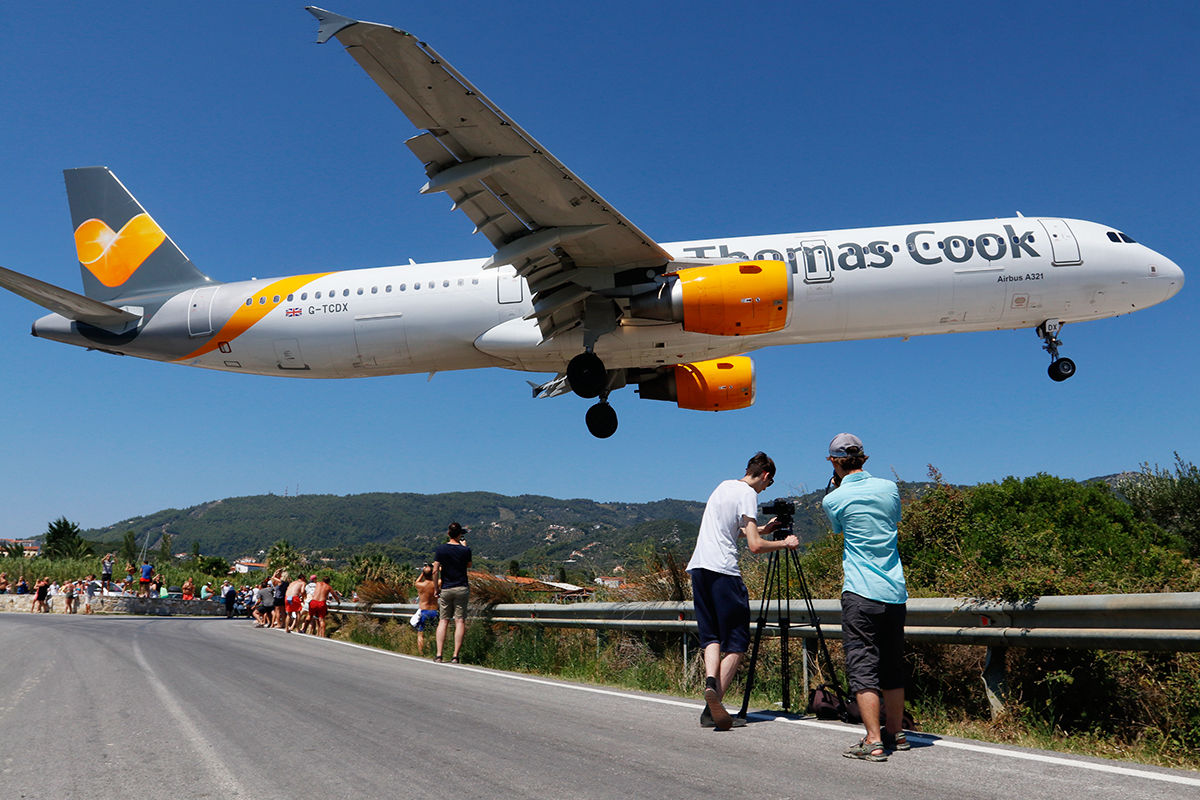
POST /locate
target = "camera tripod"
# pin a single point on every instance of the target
(783, 566)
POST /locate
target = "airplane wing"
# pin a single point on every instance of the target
(68, 304)
(560, 235)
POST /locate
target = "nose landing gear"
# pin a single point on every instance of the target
(1060, 368)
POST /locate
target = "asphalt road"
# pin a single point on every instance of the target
(211, 708)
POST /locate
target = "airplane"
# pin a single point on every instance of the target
(573, 288)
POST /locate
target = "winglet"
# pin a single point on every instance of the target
(331, 24)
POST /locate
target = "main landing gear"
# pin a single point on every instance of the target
(1060, 368)
(589, 378)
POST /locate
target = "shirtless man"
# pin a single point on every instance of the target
(292, 602)
(317, 605)
(427, 603)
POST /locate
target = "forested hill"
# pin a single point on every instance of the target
(529, 528)
(406, 526)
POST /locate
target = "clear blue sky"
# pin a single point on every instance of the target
(264, 154)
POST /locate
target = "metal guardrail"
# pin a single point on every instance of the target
(1106, 622)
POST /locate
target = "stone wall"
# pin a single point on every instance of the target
(120, 604)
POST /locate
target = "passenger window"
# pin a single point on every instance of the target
(474, 281)
(374, 290)
(262, 301)
(346, 292)
(388, 288)
(304, 295)
(276, 300)
(416, 285)
(445, 284)
(402, 287)
(460, 281)
(249, 301)
(431, 284)
(318, 296)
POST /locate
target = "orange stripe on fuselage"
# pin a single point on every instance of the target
(247, 316)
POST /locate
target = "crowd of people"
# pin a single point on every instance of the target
(284, 603)
(277, 602)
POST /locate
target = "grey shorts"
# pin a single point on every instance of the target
(452, 602)
(873, 639)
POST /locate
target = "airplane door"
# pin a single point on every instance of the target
(287, 354)
(200, 310)
(818, 263)
(1063, 244)
(508, 285)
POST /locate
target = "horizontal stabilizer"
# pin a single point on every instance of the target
(68, 304)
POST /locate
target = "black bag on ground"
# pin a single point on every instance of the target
(827, 702)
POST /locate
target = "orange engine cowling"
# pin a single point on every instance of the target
(721, 384)
(723, 299)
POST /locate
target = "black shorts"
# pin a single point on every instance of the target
(873, 639)
(722, 610)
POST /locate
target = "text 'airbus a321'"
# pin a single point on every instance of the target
(573, 287)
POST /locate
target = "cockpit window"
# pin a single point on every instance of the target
(1127, 240)
(1113, 237)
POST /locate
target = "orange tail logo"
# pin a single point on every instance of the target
(114, 257)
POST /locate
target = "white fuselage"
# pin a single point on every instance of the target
(863, 283)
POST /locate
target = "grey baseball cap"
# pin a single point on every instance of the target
(843, 444)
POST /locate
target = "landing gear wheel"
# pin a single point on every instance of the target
(601, 420)
(1061, 369)
(587, 375)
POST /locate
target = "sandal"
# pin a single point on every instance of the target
(454, 660)
(897, 741)
(866, 751)
(437, 659)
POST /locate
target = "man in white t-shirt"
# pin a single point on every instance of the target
(720, 598)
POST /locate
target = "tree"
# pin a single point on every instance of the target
(14, 550)
(1038, 536)
(129, 550)
(283, 556)
(164, 552)
(63, 540)
(514, 568)
(1170, 501)
(196, 550)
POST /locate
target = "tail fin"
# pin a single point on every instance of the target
(122, 251)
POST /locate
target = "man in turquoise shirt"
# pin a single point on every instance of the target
(865, 510)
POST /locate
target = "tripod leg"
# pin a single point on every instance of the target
(770, 581)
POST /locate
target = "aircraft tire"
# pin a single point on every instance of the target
(1061, 369)
(587, 375)
(601, 420)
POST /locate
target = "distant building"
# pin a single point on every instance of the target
(32, 548)
(611, 581)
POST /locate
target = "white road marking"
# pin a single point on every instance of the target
(227, 783)
(934, 741)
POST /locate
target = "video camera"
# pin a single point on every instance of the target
(784, 511)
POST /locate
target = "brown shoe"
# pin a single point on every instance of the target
(721, 719)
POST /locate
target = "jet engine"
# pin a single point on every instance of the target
(721, 384)
(739, 299)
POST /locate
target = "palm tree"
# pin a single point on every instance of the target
(63, 540)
